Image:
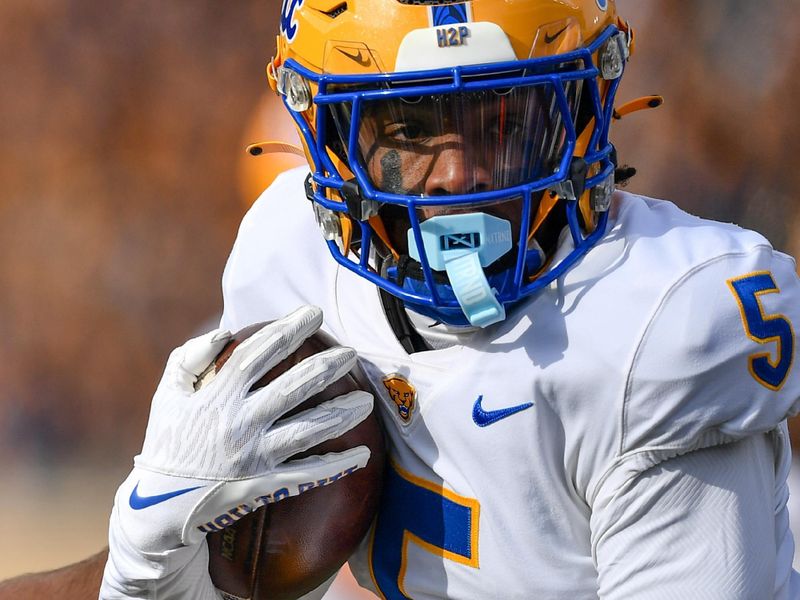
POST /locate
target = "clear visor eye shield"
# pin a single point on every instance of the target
(503, 134)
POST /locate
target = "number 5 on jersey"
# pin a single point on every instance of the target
(764, 328)
(419, 512)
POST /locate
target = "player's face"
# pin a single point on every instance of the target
(445, 145)
(442, 146)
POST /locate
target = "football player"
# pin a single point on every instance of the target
(584, 391)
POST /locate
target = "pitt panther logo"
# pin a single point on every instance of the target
(288, 24)
(403, 394)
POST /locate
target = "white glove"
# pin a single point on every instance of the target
(213, 455)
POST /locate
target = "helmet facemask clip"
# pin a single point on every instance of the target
(600, 195)
(358, 207)
(572, 188)
(294, 88)
(613, 55)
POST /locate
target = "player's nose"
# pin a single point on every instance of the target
(457, 169)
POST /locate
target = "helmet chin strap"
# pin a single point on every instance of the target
(463, 245)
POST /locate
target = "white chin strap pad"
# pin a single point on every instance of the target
(463, 245)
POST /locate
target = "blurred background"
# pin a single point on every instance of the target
(123, 178)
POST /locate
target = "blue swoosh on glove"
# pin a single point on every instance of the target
(138, 502)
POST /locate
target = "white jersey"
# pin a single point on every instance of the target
(513, 451)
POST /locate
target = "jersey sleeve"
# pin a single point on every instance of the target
(695, 496)
(693, 504)
(716, 362)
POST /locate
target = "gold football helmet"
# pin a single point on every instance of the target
(450, 143)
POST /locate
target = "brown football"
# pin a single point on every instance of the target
(287, 549)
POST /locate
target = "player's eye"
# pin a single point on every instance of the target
(408, 131)
(508, 127)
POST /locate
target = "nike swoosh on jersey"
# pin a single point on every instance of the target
(138, 502)
(484, 418)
